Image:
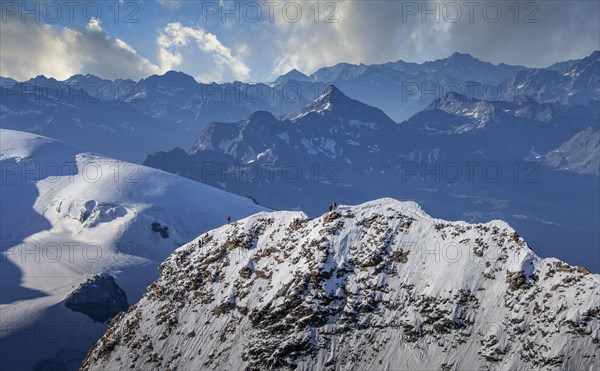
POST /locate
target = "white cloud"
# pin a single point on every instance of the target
(94, 25)
(168, 60)
(365, 32)
(175, 40)
(31, 49)
(356, 32)
(375, 32)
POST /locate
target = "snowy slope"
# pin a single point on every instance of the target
(66, 215)
(579, 154)
(379, 286)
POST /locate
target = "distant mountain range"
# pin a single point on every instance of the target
(462, 158)
(128, 119)
(402, 89)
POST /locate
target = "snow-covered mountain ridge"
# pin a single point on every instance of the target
(381, 285)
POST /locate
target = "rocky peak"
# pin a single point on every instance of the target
(331, 98)
(172, 79)
(261, 116)
(333, 104)
(376, 285)
(292, 75)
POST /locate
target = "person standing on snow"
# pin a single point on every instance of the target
(228, 220)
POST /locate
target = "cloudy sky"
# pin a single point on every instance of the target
(257, 41)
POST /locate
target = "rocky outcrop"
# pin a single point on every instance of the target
(164, 231)
(100, 298)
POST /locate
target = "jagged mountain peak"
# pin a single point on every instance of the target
(41, 79)
(462, 57)
(82, 76)
(171, 78)
(332, 125)
(331, 98)
(457, 60)
(332, 95)
(332, 90)
(260, 116)
(292, 75)
(332, 103)
(87, 78)
(171, 74)
(363, 286)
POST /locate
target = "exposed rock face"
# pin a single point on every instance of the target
(164, 231)
(100, 298)
(377, 286)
